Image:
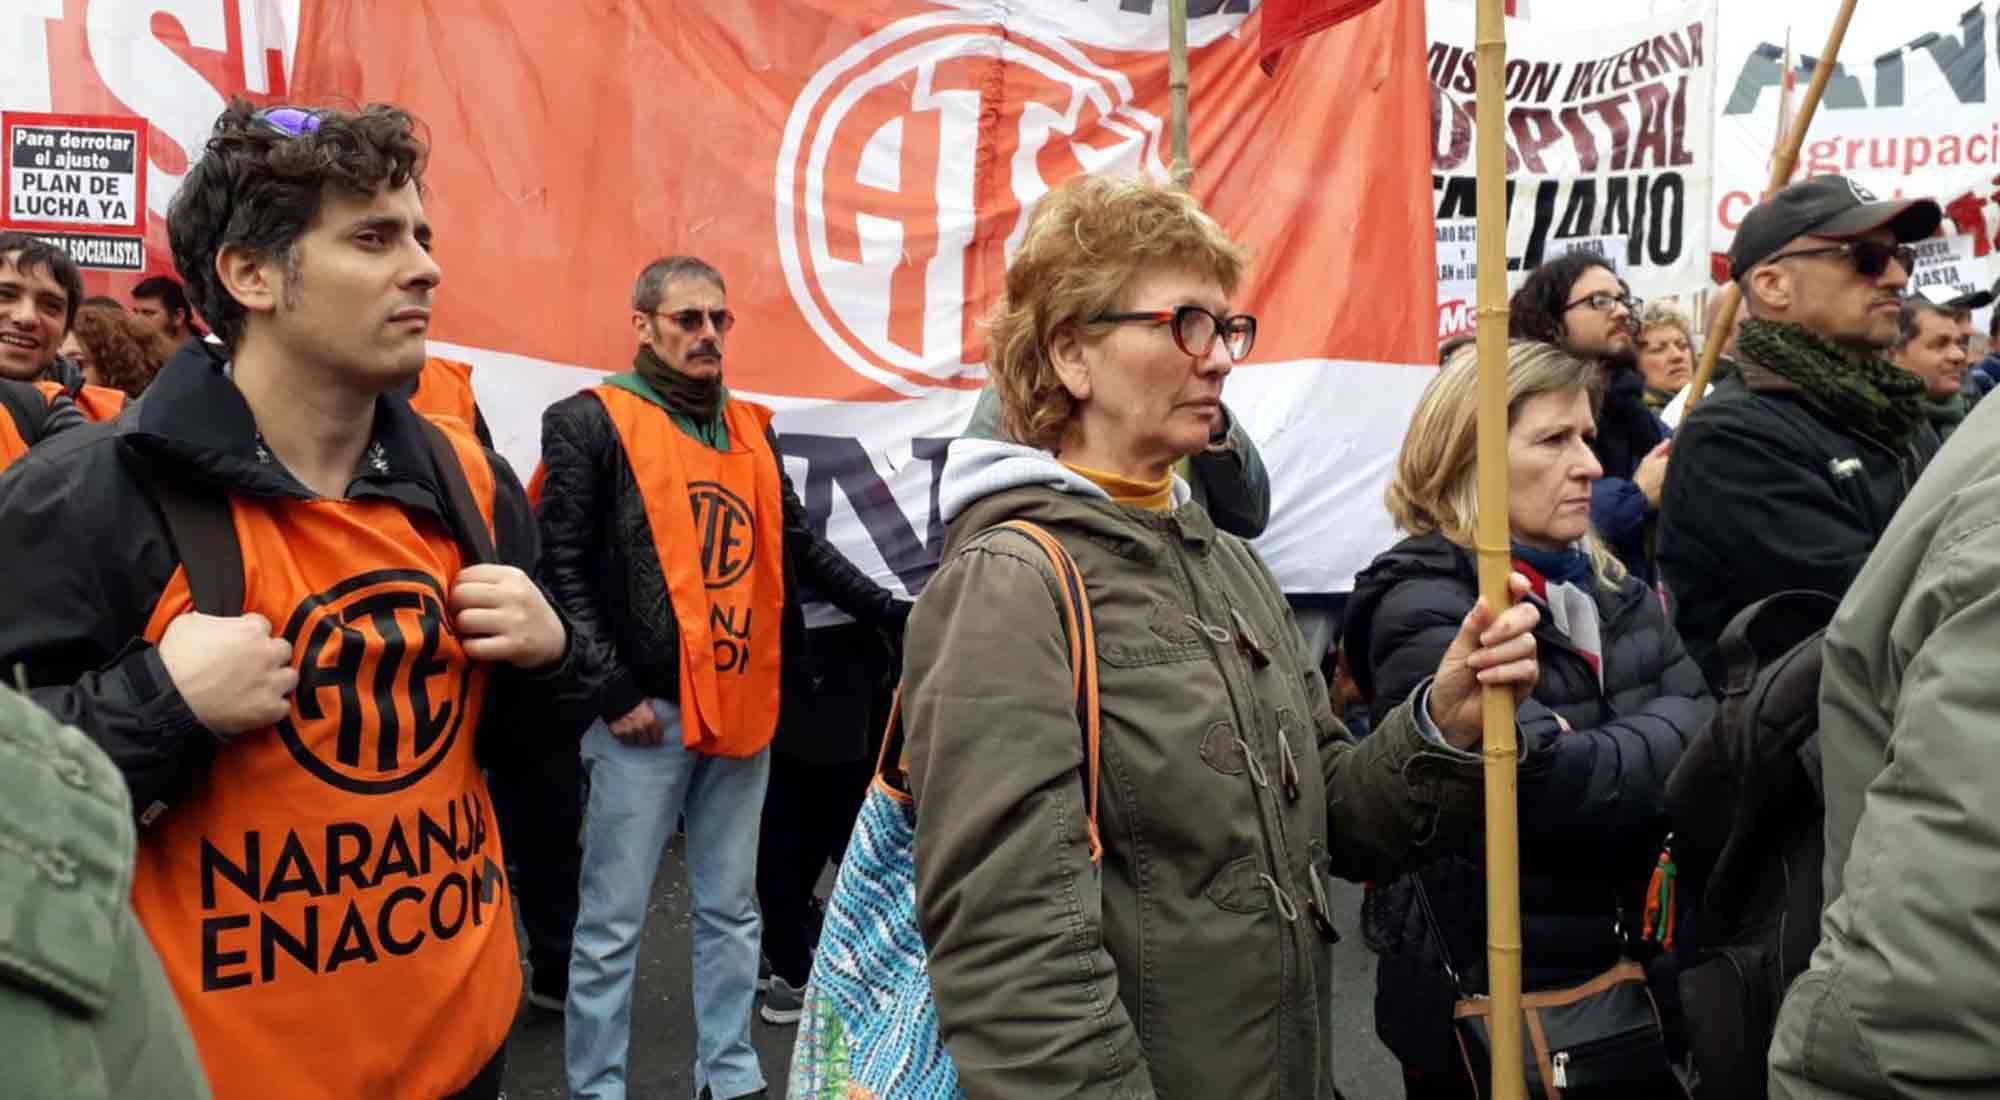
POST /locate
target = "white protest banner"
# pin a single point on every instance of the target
(1606, 142)
(77, 180)
(1909, 110)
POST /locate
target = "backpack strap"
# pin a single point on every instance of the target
(204, 533)
(31, 414)
(467, 522)
(204, 536)
(1080, 630)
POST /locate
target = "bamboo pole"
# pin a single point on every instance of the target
(1502, 752)
(1781, 172)
(1177, 90)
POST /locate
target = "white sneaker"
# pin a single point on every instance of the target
(782, 1003)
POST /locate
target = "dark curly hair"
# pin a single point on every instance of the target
(26, 253)
(1535, 312)
(257, 188)
(125, 351)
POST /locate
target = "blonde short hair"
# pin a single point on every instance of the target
(1434, 488)
(1085, 242)
(1660, 315)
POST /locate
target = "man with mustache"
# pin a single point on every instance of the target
(674, 540)
(1787, 473)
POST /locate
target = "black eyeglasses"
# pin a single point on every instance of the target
(690, 319)
(1603, 301)
(1870, 258)
(1196, 329)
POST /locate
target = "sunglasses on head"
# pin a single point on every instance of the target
(1870, 258)
(690, 320)
(289, 121)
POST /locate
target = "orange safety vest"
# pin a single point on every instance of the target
(96, 403)
(445, 389)
(12, 444)
(723, 559)
(331, 905)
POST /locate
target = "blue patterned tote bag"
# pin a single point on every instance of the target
(870, 1028)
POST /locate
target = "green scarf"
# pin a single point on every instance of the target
(1864, 392)
(694, 403)
(1946, 412)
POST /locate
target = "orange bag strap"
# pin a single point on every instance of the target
(1080, 630)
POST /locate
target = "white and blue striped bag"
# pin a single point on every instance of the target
(870, 1027)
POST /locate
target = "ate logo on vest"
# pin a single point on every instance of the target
(728, 530)
(382, 684)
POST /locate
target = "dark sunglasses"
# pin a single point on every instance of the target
(1870, 258)
(690, 320)
(1603, 301)
(1196, 329)
(289, 121)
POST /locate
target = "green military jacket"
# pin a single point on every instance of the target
(1190, 962)
(85, 1011)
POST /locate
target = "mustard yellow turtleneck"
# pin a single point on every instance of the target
(1153, 496)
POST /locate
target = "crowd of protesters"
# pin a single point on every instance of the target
(323, 693)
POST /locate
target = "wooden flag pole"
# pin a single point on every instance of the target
(1501, 749)
(1177, 90)
(1781, 172)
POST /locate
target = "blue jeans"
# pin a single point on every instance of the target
(635, 795)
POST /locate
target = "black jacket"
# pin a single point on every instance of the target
(35, 417)
(1767, 493)
(1592, 799)
(87, 557)
(1627, 431)
(599, 560)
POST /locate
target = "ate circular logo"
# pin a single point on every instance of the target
(727, 529)
(383, 683)
(908, 167)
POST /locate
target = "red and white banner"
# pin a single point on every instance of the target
(859, 170)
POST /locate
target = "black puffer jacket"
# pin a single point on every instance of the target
(1767, 493)
(598, 558)
(1592, 797)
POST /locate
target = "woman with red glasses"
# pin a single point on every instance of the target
(1178, 943)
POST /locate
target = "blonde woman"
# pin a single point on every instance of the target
(1617, 700)
(1666, 351)
(1193, 960)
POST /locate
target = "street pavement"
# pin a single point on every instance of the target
(661, 1066)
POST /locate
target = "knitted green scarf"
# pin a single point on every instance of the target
(1862, 392)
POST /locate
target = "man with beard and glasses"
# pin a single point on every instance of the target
(674, 540)
(1576, 303)
(1787, 474)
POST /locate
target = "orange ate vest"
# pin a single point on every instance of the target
(96, 403)
(12, 446)
(331, 906)
(445, 389)
(723, 555)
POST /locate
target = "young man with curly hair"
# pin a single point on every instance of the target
(303, 726)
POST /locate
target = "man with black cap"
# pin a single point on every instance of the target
(1785, 476)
